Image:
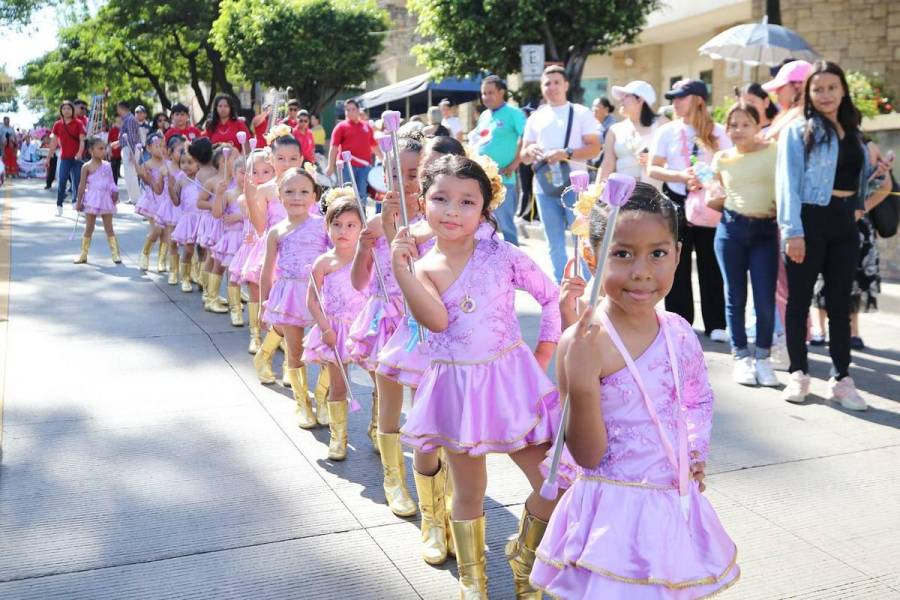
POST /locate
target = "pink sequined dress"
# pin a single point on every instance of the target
(341, 303)
(624, 530)
(252, 269)
(484, 390)
(231, 237)
(98, 194)
(167, 214)
(149, 201)
(297, 251)
(403, 358)
(239, 260)
(189, 222)
(211, 228)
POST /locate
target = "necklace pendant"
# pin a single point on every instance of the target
(467, 304)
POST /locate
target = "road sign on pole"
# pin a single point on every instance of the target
(532, 62)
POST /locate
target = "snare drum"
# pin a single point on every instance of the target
(376, 179)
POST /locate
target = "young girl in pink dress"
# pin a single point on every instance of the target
(291, 247)
(211, 227)
(227, 208)
(634, 524)
(185, 195)
(167, 211)
(97, 195)
(484, 390)
(325, 342)
(247, 265)
(154, 174)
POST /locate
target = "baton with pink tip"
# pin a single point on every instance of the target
(354, 405)
(339, 165)
(386, 144)
(346, 157)
(242, 139)
(616, 193)
(252, 143)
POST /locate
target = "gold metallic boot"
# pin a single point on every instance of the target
(520, 554)
(235, 308)
(395, 475)
(85, 246)
(469, 536)
(430, 490)
(262, 360)
(114, 249)
(212, 297)
(323, 382)
(173, 269)
(195, 268)
(373, 424)
(161, 258)
(448, 500)
(186, 286)
(144, 261)
(253, 318)
(305, 417)
(284, 365)
(204, 282)
(337, 417)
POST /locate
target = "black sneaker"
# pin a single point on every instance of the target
(856, 343)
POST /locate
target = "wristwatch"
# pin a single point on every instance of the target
(569, 153)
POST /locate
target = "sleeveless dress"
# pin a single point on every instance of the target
(248, 240)
(341, 303)
(252, 269)
(98, 193)
(484, 390)
(189, 222)
(167, 214)
(211, 228)
(297, 251)
(636, 526)
(149, 202)
(231, 237)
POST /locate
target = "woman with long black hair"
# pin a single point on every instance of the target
(223, 124)
(754, 95)
(821, 179)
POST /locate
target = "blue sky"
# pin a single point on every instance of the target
(31, 42)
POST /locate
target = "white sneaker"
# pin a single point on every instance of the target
(765, 375)
(797, 388)
(743, 372)
(59, 211)
(844, 391)
(779, 356)
(718, 335)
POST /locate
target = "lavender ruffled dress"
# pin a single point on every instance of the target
(341, 304)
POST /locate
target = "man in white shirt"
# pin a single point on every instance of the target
(545, 144)
(450, 121)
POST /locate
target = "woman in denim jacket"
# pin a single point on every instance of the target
(822, 176)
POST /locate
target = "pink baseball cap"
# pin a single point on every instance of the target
(792, 72)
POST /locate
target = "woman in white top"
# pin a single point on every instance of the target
(692, 136)
(627, 143)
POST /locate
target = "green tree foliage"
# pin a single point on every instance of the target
(471, 36)
(316, 47)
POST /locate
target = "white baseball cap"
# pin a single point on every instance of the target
(638, 88)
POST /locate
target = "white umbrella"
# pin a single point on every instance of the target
(759, 44)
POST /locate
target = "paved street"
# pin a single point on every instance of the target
(141, 458)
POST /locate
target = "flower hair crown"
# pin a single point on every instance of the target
(498, 189)
(336, 193)
(278, 131)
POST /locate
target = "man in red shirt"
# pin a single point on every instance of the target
(305, 137)
(358, 137)
(81, 113)
(293, 113)
(115, 150)
(68, 135)
(181, 125)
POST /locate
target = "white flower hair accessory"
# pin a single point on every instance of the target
(336, 193)
(498, 190)
(278, 131)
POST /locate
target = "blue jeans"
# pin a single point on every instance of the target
(505, 216)
(556, 220)
(69, 171)
(361, 174)
(743, 244)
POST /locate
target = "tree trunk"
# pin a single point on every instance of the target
(575, 70)
(773, 11)
(219, 76)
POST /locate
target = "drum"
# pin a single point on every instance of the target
(376, 179)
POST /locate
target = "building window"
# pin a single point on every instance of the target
(706, 77)
(594, 88)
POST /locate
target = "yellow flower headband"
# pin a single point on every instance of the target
(278, 131)
(336, 193)
(498, 190)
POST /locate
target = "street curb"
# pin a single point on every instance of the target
(5, 265)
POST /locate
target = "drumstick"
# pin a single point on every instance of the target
(616, 193)
(354, 405)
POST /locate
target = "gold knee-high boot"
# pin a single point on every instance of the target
(235, 308)
(469, 537)
(186, 286)
(430, 490)
(395, 475)
(305, 417)
(114, 249)
(337, 424)
(253, 319)
(262, 360)
(161, 257)
(520, 553)
(323, 382)
(145, 255)
(448, 501)
(173, 269)
(212, 303)
(373, 423)
(85, 246)
(195, 268)
(284, 365)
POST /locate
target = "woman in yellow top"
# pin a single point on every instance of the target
(747, 240)
(318, 133)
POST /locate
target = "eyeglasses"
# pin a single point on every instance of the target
(294, 109)
(303, 120)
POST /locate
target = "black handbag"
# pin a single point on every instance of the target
(885, 216)
(543, 173)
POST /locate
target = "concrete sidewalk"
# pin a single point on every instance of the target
(141, 458)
